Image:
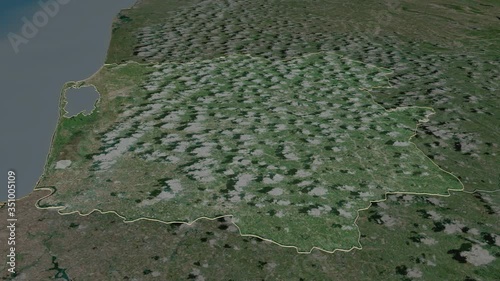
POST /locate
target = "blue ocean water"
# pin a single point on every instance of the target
(70, 46)
(11, 13)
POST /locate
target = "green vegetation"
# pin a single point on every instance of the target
(245, 108)
(443, 54)
(291, 149)
(405, 238)
(179, 31)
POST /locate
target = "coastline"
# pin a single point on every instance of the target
(69, 48)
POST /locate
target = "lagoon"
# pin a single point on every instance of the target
(69, 45)
(80, 101)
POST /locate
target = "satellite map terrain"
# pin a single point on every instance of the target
(273, 140)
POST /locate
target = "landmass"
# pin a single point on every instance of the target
(279, 140)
